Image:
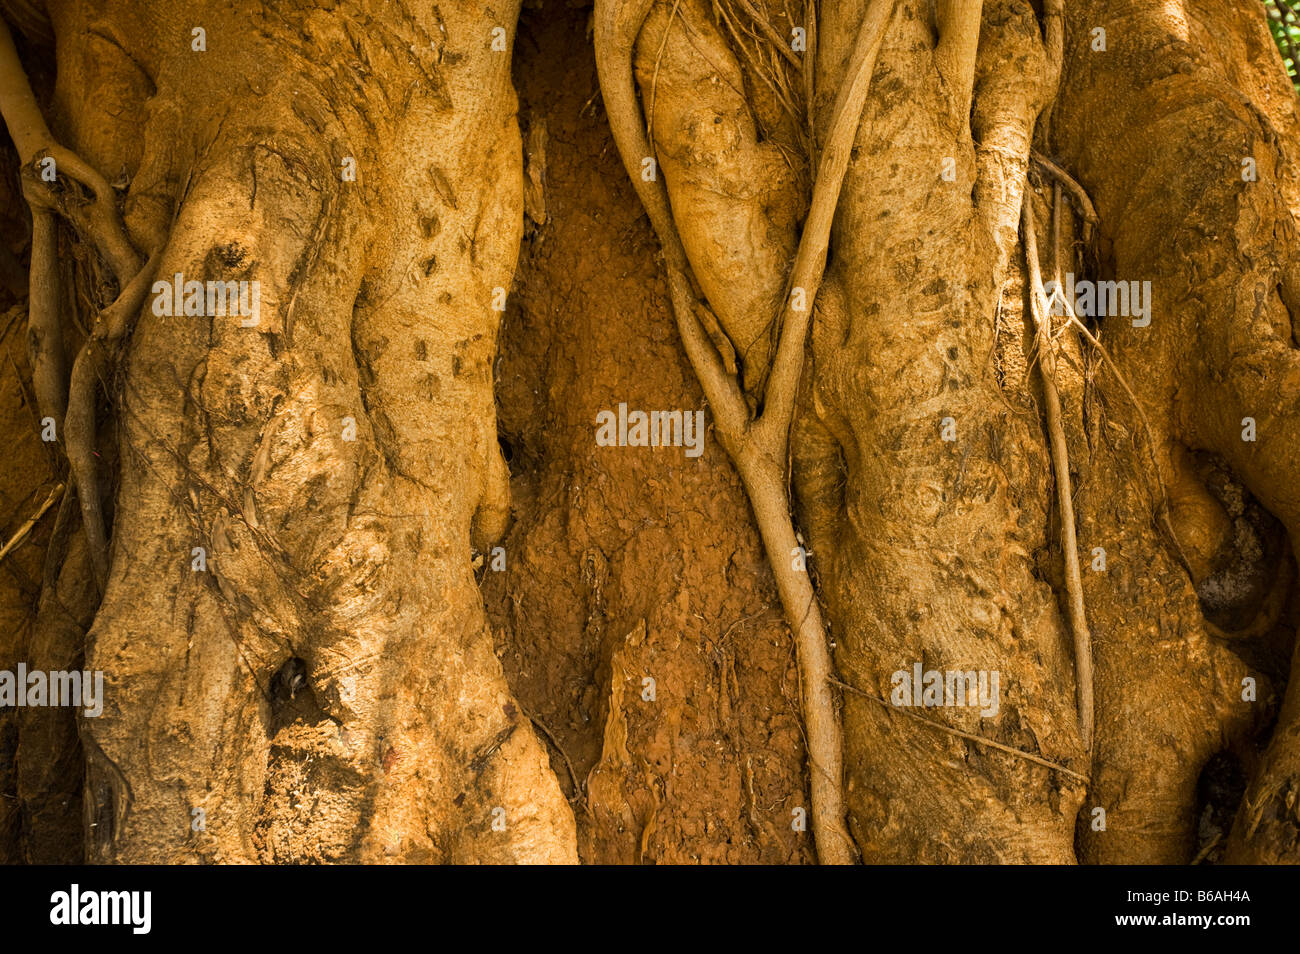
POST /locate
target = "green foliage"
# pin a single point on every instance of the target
(1284, 21)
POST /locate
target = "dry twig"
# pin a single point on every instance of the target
(21, 533)
(969, 736)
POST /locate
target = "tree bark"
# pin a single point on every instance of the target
(364, 587)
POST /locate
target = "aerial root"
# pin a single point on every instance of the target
(93, 364)
(759, 446)
(79, 194)
(1046, 346)
(1076, 612)
(44, 334)
(1077, 192)
(1064, 180)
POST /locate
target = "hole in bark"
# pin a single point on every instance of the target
(1218, 793)
(289, 681)
(1250, 563)
(293, 700)
(1248, 596)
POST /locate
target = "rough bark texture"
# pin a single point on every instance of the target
(1220, 252)
(517, 645)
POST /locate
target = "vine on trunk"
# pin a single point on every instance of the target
(56, 181)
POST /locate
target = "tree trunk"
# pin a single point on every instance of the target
(363, 579)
